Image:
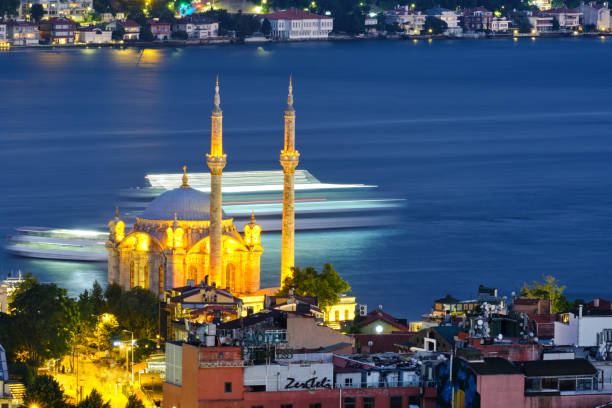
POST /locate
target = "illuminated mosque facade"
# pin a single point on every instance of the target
(184, 235)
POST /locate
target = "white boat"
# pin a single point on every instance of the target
(57, 243)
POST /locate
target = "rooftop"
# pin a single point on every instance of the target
(553, 368)
(493, 366)
(295, 14)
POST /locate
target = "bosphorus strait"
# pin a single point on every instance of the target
(500, 149)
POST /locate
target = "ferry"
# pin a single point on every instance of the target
(318, 206)
(58, 243)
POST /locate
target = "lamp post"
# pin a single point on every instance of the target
(132, 344)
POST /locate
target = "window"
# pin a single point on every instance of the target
(584, 384)
(348, 382)
(228, 387)
(350, 402)
(368, 402)
(286, 406)
(5, 405)
(395, 401)
(567, 385)
(315, 405)
(346, 315)
(532, 384)
(257, 406)
(550, 383)
(413, 400)
(337, 315)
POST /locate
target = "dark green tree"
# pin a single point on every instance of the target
(9, 8)
(118, 35)
(266, 27)
(112, 295)
(179, 35)
(45, 322)
(36, 12)
(97, 298)
(93, 400)
(555, 25)
(45, 392)
(137, 311)
(146, 34)
(434, 25)
(134, 402)
(326, 286)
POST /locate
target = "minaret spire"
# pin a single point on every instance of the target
(216, 163)
(289, 159)
(185, 179)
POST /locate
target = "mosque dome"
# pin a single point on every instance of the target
(188, 205)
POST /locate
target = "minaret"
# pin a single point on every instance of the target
(289, 158)
(216, 163)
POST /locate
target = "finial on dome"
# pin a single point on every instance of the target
(185, 180)
(290, 96)
(116, 211)
(217, 99)
(175, 216)
(252, 217)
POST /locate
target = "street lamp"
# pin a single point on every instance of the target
(132, 343)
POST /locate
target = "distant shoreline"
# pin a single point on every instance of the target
(233, 41)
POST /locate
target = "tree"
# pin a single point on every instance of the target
(266, 27)
(137, 310)
(45, 392)
(45, 321)
(179, 35)
(434, 25)
(146, 34)
(134, 402)
(326, 286)
(118, 33)
(37, 12)
(112, 295)
(93, 400)
(9, 8)
(549, 290)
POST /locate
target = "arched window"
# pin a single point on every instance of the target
(145, 284)
(161, 279)
(192, 274)
(337, 315)
(132, 275)
(346, 315)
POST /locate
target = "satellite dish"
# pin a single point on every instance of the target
(480, 322)
(500, 336)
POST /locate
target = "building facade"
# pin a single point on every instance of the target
(76, 10)
(567, 19)
(197, 27)
(159, 29)
(477, 19)
(22, 33)
(92, 35)
(596, 15)
(58, 31)
(500, 24)
(130, 27)
(450, 17)
(296, 24)
(411, 21)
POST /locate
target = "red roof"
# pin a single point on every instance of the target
(157, 23)
(380, 315)
(562, 11)
(58, 21)
(526, 301)
(128, 23)
(294, 14)
(21, 23)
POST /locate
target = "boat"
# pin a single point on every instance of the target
(58, 243)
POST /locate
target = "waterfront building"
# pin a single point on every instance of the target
(450, 17)
(540, 22)
(22, 33)
(370, 22)
(567, 19)
(297, 24)
(93, 35)
(75, 10)
(159, 29)
(197, 27)
(477, 19)
(411, 21)
(7, 399)
(130, 27)
(596, 15)
(500, 24)
(57, 31)
(3, 32)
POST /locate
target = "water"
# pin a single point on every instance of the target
(502, 150)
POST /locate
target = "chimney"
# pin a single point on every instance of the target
(580, 312)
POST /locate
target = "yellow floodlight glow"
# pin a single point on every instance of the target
(258, 9)
(515, 32)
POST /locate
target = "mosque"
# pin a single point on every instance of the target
(184, 236)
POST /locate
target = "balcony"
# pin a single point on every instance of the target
(221, 363)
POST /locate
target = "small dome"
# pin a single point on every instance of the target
(187, 203)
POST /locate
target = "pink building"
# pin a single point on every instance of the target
(159, 29)
(477, 19)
